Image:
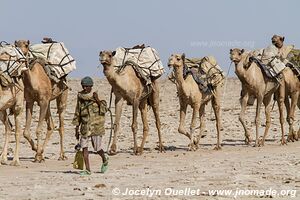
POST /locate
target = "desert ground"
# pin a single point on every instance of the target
(175, 174)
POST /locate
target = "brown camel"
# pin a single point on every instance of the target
(39, 88)
(190, 94)
(292, 86)
(127, 86)
(11, 97)
(255, 83)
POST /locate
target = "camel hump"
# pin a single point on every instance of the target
(145, 60)
(38, 60)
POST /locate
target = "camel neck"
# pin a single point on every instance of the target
(109, 72)
(179, 76)
(239, 68)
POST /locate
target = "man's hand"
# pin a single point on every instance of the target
(96, 97)
(77, 132)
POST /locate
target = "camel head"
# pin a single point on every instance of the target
(23, 45)
(105, 57)
(277, 41)
(236, 55)
(176, 60)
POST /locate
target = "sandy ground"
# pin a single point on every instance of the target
(175, 174)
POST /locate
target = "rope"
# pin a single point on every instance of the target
(226, 77)
(111, 120)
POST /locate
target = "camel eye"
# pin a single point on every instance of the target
(178, 59)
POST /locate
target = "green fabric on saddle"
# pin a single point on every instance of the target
(294, 57)
(209, 70)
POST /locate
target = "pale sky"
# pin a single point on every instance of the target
(196, 28)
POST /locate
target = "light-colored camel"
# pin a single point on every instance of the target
(190, 94)
(11, 97)
(255, 83)
(39, 88)
(292, 91)
(292, 86)
(127, 86)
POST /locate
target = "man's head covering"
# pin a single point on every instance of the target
(87, 81)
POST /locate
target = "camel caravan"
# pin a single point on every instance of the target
(38, 73)
(34, 73)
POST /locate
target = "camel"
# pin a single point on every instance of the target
(11, 97)
(292, 86)
(292, 91)
(39, 88)
(190, 94)
(255, 83)
(127, 86)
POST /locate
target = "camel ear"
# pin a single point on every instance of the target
(113, 53)
(183, 56)
(242, 51)
(230, 50)
(16, 42)
(282, 39)
(100, 53)
(28, 42)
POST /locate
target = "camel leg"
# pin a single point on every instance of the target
(134, 125)
(291, 118)
(43, 111)
(155, 107)
(50, 127)
(280, 101)
(118, 111)
(268, 107)
(26, 133)
(4, 119)
(16, 160)
(61, 102)
(244, 101)
(202, 122)
(193, 138)
(181, 128)
(216, 106)
(298, 108)
(257, 118)
(144, 113)
(288, 110)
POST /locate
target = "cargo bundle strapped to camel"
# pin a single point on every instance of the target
(11, 60)
(271, 62)
(294, 61)
(59, 63)
(144, 60)
(205, 71)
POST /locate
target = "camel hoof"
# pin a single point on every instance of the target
(261, 143)
(283, 142)
(3, 162)
(247, 140)
(63, 157)
(15, 163)
(139, 151)
(113, 150)
(292, 137)
(112, 153)
(192, 147)
(39, 159)
(161, 149)
(217, 148)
